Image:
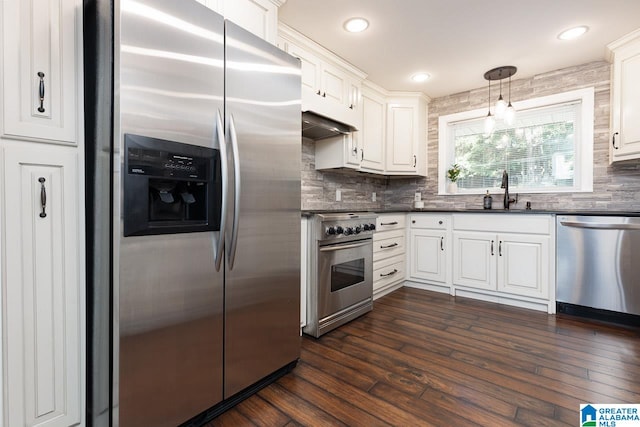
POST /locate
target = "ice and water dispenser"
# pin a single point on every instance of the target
(169, 187)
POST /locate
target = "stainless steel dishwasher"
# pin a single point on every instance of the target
(598, 266)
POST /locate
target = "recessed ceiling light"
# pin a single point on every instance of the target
(573, 33)
(420, 77)
(356, 25)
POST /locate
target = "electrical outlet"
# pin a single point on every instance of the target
(373, 196)
(338, 196)
(417, 197)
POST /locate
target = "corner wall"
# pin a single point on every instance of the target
(615, 187)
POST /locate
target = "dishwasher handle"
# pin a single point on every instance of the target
(600, 225)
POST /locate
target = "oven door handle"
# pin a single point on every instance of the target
(340, 247)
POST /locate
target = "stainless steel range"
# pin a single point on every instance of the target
(341, 277)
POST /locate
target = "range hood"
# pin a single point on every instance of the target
(315, 126)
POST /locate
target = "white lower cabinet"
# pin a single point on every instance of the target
(388, 254)
(515, 264)
(523, 265)
(512, 263)
(43, 291)
(429, 252)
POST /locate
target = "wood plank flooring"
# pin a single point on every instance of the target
(427, 359)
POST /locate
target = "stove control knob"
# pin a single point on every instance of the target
(330, 231)
(366, 227)
(358, 229)
(339, 230)
(348, 231)
(372, 227)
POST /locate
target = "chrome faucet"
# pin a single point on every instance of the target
(505, 184)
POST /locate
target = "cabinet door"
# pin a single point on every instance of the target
(214, 5)
(44, 302)
(39, 67)
(310, 68)
(626, 103)
(474, 261)
(428, 260)
(257, 16)
(335, 86)
(401, 138)
(353, 150)
(373, 128)
(523, 265)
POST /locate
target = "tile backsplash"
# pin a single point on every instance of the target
(615, 187)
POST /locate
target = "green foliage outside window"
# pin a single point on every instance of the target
(536, 156)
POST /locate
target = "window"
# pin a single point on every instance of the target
(548, 149)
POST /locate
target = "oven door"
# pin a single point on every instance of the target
(345, 276)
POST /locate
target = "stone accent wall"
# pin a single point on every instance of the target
(615, 187)
(319, 187)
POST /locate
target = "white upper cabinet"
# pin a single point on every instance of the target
(406, 135)
(330, 85)
(40, 56)
(257, 16)
(625, 98)
(372, 135)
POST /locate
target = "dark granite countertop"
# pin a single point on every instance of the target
(308, 213)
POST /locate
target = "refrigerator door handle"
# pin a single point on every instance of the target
(219, 246)
(236, 205)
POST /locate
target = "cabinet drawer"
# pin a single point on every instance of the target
(504, 223)
(390, 222)
(439, 222)
(388, 244)
(390, 271)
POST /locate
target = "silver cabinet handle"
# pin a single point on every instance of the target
(600, 226)
(361, 154)
(393, 245)
(43, 197)
(224, 171)
(238, 188)
(389, 223)
(41, 92)
(389, 274)
(415, 160)
(492, 248)
(341, 247)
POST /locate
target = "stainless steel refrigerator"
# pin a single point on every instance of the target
(193, 205)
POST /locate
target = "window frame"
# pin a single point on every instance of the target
(583, 179)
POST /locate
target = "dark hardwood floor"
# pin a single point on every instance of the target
(424, 358)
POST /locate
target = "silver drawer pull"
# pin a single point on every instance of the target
(389, 274)
(393, 245)
(389, 223)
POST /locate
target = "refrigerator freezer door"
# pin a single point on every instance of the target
(169, 297)
(262, 290)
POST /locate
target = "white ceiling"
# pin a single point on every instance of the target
(456, 41)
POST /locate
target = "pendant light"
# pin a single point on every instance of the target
(489, 122)
(510, 113)
(501, 106)
(504, 111)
